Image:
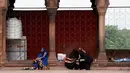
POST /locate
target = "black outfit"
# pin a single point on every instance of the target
(87, 60)
(70, 65)
(73, 55)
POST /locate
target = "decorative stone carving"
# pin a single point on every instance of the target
(57, 3)
(102, 3)
(102, 6)
(3, 3)
(52, 11)
(52, 3)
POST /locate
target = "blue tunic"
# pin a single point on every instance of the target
(44, 59)
(122, 60)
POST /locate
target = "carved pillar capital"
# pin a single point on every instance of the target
(52, 3)
(3, 3)
(102, 3)
(3, 11)
(52, 14)
(102, 6)
(102, 13)
(102, 10)
(51, 11)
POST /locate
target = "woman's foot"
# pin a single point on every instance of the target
(111, 59)
(46, 68)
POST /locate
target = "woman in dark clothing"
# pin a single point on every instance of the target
(74, 54)
(84, 60)
(71, 61)
(78, 59)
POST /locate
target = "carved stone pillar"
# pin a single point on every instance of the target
(52, 14)
(102, 53)
(102, 8)
(2, 36)
(1, 62)
(3, 7)
(52, 6)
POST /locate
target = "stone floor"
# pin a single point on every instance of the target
(64, 68)
(64, 71)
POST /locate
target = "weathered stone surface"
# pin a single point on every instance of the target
(52, 3)
(52, 6)
(3, 3)
(102, 7)
(2, 35)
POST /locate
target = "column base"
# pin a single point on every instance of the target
(52, 56)
(1, 64)
(53, 62)
(52, 59)
(102, 59)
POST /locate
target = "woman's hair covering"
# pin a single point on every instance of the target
(44, 50)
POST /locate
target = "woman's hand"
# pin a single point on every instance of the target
(38, 58)
(44, 54)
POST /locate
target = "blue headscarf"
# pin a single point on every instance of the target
(42, 53)
(45, 59)
(43, 50)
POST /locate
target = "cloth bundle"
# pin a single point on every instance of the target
(61, 56)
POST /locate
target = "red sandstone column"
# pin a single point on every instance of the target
(52, 6)
(102, 8)
(2, 36)
(3, 7)
(102, 53)
(1, 62)
(52, 14)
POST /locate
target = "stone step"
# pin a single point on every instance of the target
(29, 63)
(54, 63)
(112, 64)
(118, 64)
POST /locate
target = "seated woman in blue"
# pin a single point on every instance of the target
(42, 60)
